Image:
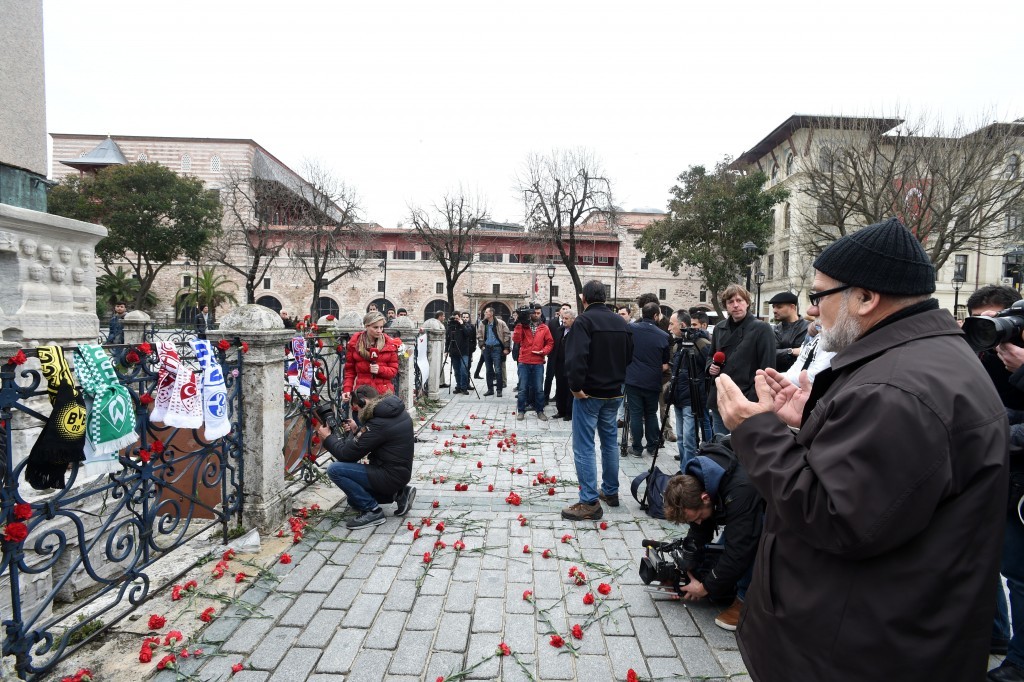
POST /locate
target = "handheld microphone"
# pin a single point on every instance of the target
(718, 360)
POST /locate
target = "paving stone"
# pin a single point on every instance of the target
(245, 676)
(386, 630)
(443, 664)
(248, 635)
(344, 555)
(593, 668)
(666, 668)
(624, 653)
(269, 652)
(306, 570)
(321, 628)
(653, 637)
(487, 615)
(436, 581)
(401, 596)
(343, 594)
(394, 555)
(453, 632)
(220, 629)
(461, 597)
(732, 663)
(519, 633)
(555, 664)
(697, 657)
(492, 583)
(381, 580)
(341, 652)
(370, 666)
(677, 618)
(411, 655)
(325, 579)
(481, 646)
(302, 609)
(425, 612)
(363, 610)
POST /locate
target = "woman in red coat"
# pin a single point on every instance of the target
(371, 358)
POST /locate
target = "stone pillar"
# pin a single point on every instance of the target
(267, 502)
(135, 324)
(403, 329)
(436, 333)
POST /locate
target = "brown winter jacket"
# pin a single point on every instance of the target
(885, 515)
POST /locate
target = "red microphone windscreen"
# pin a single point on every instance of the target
(718, 358)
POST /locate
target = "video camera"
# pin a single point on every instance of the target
(325, 413)
(524, 313)
(688, 336)
(985, 333)
(670, 563)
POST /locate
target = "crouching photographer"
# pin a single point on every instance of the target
(386, 439)
(713, 492)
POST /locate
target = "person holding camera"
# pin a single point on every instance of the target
(495, 341)
(371, 358)
(535, 344)
(461, 339)
(386, 439)
(714, 492)
(686, 394)
(1003, 364)
(885, 511)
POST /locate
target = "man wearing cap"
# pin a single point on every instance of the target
(790, 329)
(885, 510)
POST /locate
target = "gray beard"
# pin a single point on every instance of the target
(843, 333)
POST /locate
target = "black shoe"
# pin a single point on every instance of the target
(676, 457)
(442, 385)
(405, 500)
(499, 394)
(489, 392)
(367, 518)
(610, 500)
(567, 418)
(478, 377)
(638, 453)
(1007, 672)
(559, 415)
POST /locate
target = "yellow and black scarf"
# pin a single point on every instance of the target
(62, 440)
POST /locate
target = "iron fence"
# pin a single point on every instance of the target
(92, 542)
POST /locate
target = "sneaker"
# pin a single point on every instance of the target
(405, 500)
(730, 618)
(520, 416)
(367, 518)
(638, 453)
(583, 512)
(541, 416)
(610, 500)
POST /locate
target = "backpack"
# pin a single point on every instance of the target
(656, 480)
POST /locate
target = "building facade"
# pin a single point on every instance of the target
(509, 267)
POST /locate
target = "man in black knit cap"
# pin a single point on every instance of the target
(884, 512)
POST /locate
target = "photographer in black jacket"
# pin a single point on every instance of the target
(461, 340)
(386, 438)
(715, 491)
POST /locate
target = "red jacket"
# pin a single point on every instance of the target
(357, 368)
(529, 341)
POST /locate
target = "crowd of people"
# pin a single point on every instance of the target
(855, 458)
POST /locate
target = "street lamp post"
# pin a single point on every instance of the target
(383, 267)
(759, 279)
(551, 279)
(959, 278)
(749, 248)
(615, 294)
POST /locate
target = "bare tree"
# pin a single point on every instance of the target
(254, 235)
(561, 191)
(325, 236)
(954, 187)
(451, 232)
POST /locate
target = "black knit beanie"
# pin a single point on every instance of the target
(884, 257)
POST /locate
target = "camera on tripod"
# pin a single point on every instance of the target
(669, 563)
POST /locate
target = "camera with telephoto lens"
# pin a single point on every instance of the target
(985, 333)
(670, 563)
(325, 413)
(525, 313)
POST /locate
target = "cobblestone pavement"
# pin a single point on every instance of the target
(363, 605)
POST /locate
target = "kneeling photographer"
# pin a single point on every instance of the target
(386, 438)
(714, 491)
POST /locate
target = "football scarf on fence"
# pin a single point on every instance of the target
(215, 393)
(185, 409)
(112, 417)
(165, 377)
(303, 364)
(62, 440)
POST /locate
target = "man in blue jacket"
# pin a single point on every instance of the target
(596, 355)
(643, 378)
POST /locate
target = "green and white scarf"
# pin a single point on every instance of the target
(112, 417)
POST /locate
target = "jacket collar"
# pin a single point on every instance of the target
(927, 323)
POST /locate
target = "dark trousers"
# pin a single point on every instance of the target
(563, 397)
(493, 360)
(642, 406)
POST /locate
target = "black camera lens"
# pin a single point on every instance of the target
(983, 332)
(648, 572)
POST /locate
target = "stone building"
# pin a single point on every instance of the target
(801, 142)
(510, 267)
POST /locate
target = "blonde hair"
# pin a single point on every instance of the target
(372, 317)
(363, 347)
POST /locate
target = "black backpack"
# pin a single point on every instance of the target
(656, 480)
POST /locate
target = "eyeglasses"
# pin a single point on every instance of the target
(815, 296)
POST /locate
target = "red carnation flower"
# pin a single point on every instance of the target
(223, 344)
(440, 544)
(504, 649)
(157, 446)
(440, 527)
(17, 359)
(604, 588)
(207, 615)
(546, 554)
(245, 347)
(604, 525)
(490, 488)
(631, 676)
(285, 558)
(427, 558)
(557, 641)
(131, 357)
(588, 598)
(145, 654)
(577, 631)
(145, 348)
(551, 491)
(240, 576)
(527, 595)
(459, 545)
(526, 549)
(166, 662)
(156, 622)
(145, 456)
(228, 555)
(146, 399)
(435, 504)
(176, 593)
(172, 637)
(573, 570)
(566, 538)
(237, 668)
(416, 534)
(23, 511)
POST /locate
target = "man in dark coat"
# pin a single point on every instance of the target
(714, 492)
(115, 330)
(386, 438)
(563, 397)
(790, 329)
(644, 379)
(555, 327)
(747, 343)
(885, 510)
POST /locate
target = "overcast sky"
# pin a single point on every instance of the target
(406, 100)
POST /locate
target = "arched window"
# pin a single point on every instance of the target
(269, 302)
(775, 173)
(787, 218)
(500, 310)
(826, 159)
(186, 163)
(215, 164)
(434, 306)
(1012, 167)
(326, 306)
(383, 305)
(790, 163)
